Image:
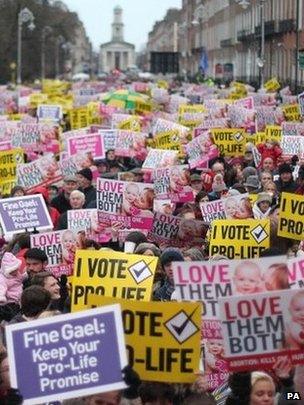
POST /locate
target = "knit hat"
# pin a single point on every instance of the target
(70, 178)
(133, 239)
(253, 182)
(233, 193)
(87, 173)
(263, 197)
(170, 255)
(249, 171)
(218, 184)
(9, 263)
(285, 168)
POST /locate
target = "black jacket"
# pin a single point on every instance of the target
(90, 195)
(61, 203)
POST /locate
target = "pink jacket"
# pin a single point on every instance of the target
(11, 288)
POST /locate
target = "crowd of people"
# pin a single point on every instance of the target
(29, 291)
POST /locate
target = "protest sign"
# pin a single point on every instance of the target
(88, 143)
(230, 141)
(200, 150)
(111, 274)
(19, 214)
(109, 138)
(173, 183)
(259, 328)
(130, 144)
(169, 140)
(47, 112)
(60, 248)
(291, 224)
(292, 145)
(175, 231)
(26, 136)
(239, 239)
(8, 163)
(162, 125)
(211, 123)
(289, 129)
(296, 272)
(67, 356)
(238, 207)
(291, 112)
(127, 202)
(41, 172)
(158, 158)
(212, 210)
(273, 133)
(169, 336)
(79, 118)
(272, 85)
(126, 122)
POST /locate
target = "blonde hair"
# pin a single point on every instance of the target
(258, 376)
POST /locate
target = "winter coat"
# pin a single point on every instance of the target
(10, 288)
(258, 214)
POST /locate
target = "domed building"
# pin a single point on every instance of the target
(116, 54)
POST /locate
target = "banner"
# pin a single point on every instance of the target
(200, 150)
(169, 230)
(8, 163)
(67, 356)
(158, 158)
(111, 274)
(291, 224)
(126, 202)
(212, 210)
(169, 336)
(260, 328)
(130, 144)
(88, 143)
(173, 183)
(239, 239)
(60, 248)
(20, 214)
(230, 141)
(41, 172)
(47, 112)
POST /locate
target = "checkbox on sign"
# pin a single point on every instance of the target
(259, 234)
(140, 271)
(181, 326)
(238, 137)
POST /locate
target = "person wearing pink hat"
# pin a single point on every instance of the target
(11, 279)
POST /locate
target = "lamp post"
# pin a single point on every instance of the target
(24, 16)
(261, 59)
(45, 32)
(198, 21)
(59, 42)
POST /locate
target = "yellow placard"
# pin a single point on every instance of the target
(239, 238)
(272, 85)
(195, 108)
(6, 187)
(162, 84)
(9, 160)
(111, 274)
(291, 223)
(253, 198)
(260, 137)
(169, 140)
(143, 108)
(79, 118)
(130, 124)
(273, 133)
(230, 141)
(162, 339)
(292, 112)
(38, 98)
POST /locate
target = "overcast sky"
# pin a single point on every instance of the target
(138, 16)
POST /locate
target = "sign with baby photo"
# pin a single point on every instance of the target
(212, 210)
(111, 274)
(41, 172)
(126, 202)
(169, 230)
(173, 183)
(85, 223)
(67, 356)
(92, 143)
(239, 238)
(160, 158)
(238, 207)
(130, 144)
(291, 224)
(296, 272)
(47, 112)
(259, 328)
(169, 334)
(60, 248)
(20, 214)
(200, 150)
(230, 141)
